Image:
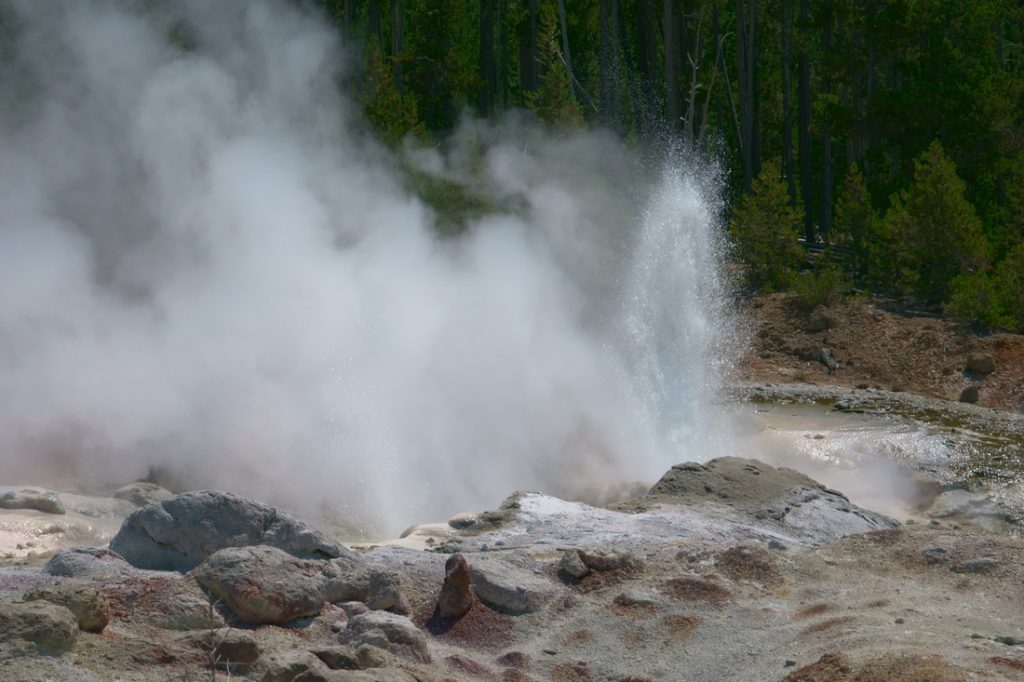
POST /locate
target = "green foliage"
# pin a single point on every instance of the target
(856, 225)
(453, 203)
(1008, 279)
(973, 299)
(765, 229)
(991, 300)
(819, 287)
(391, 112)
(552, 102)
(933, 231)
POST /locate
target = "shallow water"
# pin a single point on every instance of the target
(877, 460)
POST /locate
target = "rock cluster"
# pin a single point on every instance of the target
(539, 589)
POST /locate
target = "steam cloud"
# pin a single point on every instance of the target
(208, 266)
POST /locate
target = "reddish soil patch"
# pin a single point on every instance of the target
(1011, 663)
(577, 671)
(828, 668)
(749, 563)
(697, 590)
(479, 628)
(812, 611)
(880, 343)
(826, 625)
(679, 628)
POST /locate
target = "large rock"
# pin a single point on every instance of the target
(456, 596)
(264, 585)
(178, 533)
(387, 631)
(346, 580)
(89, 605)
(772, 496)
(40, 500)
(87, 562)
(36, 627)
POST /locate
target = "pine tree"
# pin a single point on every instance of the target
(855, 228)
(933, 230)
(765, 229)
(391, 112)
(553, 102)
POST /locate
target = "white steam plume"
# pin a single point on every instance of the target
(208, 266)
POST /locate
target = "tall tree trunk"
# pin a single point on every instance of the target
(647, 56)
(745, 80)
(376, 24)
(672, 107)
(609, 63)
(502, 90)
(825, 220)
(528, 69)
(716, 29)
(566, 54)
(396, 43)
(804, 128)
(488, 63)
(787, 106)
(755, 105)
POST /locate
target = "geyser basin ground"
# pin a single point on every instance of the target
(882, 459)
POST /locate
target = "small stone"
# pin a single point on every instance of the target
(1010, 641)
(288, 666)
(776, 545)
(979, 565)
(899, 621)
(550, 652)
(981, 363)
(606, 561)
(573, 565)
(230, 649)
(90, 606)
(969, 395)
(457, 596)
(38, 626)
(788, 663)
(338, 657)
(389, 631)
(934, 555)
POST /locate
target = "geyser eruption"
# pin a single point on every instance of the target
(208, 267)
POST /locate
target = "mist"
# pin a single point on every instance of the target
(210, 269)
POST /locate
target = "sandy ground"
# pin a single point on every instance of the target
(882, 345)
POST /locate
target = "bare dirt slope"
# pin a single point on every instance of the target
(880, 344)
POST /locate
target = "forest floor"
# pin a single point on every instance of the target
(879, 343)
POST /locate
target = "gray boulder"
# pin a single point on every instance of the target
(87, 562)
(350, 581)
(36, 627)
(90, 606)
(178, 533)
(780, 497)
(40, 500)
(509, 588)
(389, 631)
(264, 585)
